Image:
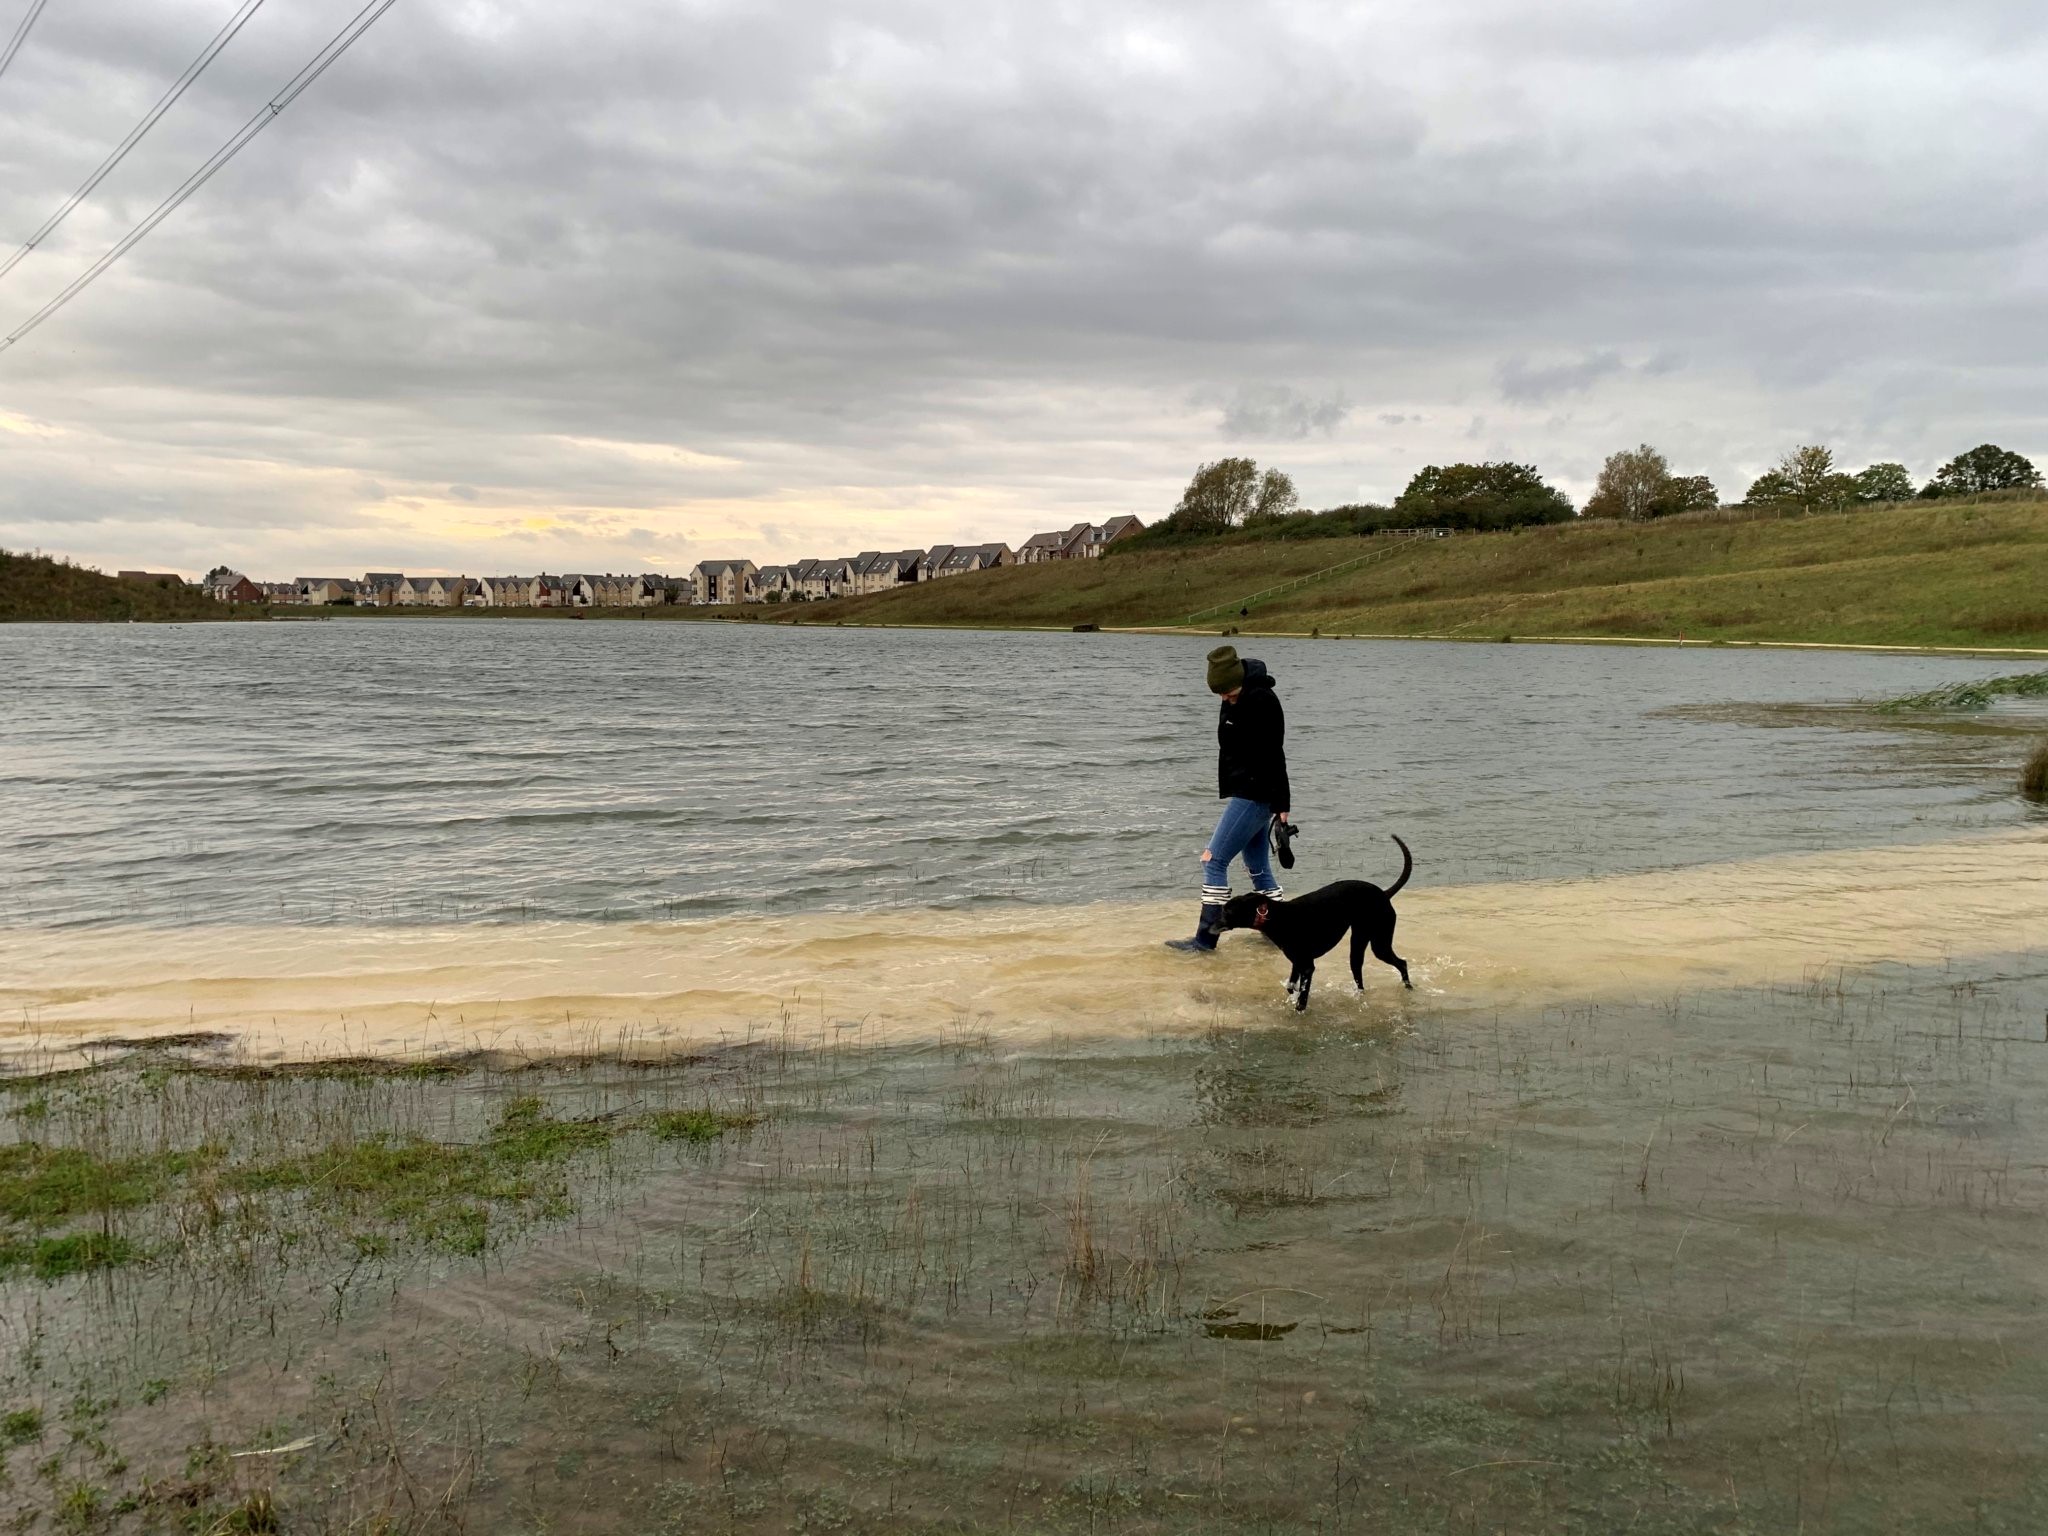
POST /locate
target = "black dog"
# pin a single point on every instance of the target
(1309, 927)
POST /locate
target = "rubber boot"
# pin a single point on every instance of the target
(1207, 931)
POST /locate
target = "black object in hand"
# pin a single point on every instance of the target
(1283, 842)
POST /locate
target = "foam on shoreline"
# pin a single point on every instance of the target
(1023, 974)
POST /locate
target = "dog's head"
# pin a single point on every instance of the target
(1251, 910)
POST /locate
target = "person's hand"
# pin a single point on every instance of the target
(1282, 815)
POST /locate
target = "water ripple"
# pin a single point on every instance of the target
(361, 773)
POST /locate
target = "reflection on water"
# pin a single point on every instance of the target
(381, 773)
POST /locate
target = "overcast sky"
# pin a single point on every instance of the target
(520, 285)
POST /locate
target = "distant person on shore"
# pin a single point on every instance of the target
(1251, 781)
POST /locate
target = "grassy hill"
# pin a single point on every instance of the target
(36, 587)
(1957, 574)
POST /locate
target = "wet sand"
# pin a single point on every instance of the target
(1025, 975)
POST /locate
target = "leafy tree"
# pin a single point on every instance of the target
(1770, 489)
(1986, 467)
(1276, 498)
(1811, 470)
(1687, 493)
(1884, 482)
(218, 573)
(1230, 493)
(1805, 480)
(1218, 497)
(1638, 484)
(1631, 484)
(1481, 496)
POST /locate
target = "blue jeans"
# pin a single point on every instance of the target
(1241, 829)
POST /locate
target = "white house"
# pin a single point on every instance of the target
(875, 571)
(507, 591)
(820, 579)
(663, 591)
(725, 581)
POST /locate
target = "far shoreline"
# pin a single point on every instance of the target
(686, 615)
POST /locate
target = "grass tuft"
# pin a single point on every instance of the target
(1973, 695)
(56, 1258)
(254, 1516)
(44, 1185)
(696, 1125)
(2034, 774)
(443, 1192)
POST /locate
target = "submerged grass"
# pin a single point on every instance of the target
(1976, 695)
(57, 1258)
(443, 1192)
(697, 1125)
(1731, 1262)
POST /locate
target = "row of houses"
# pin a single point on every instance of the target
(742, 581)
(713, 581)
(1083, 541)
(393, 589)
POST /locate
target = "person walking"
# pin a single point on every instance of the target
(1251, 781)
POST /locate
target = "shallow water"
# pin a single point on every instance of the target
(1020, 976)
(1732, 1260)
(435, 771)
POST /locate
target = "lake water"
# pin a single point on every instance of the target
(1697, 1186)
(436, 771)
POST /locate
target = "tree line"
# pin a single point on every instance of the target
(1635, 485)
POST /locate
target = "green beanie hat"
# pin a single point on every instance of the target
(1225, 670)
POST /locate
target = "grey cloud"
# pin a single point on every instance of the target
(925, 268)
(1277, 411)
(1524, 383)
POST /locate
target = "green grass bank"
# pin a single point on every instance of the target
(38, 588)
(1972, 575)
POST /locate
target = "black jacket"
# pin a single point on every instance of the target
(1251, 737)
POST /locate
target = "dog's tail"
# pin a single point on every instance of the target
(1407, 865)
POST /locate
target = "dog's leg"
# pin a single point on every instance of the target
(1308, 974)
(1383, 950)
(1358, 956)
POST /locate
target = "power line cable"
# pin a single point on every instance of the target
(120, 151)
(339, 44)
(35, 9)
